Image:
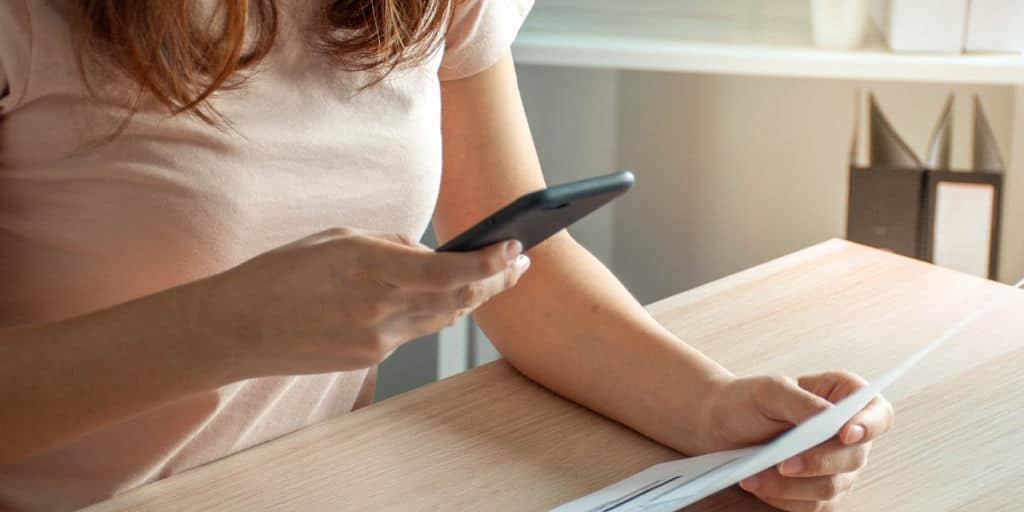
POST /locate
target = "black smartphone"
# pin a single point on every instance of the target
(534, 217)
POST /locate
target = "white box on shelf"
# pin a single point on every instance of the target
(922, 25)
(995, 26)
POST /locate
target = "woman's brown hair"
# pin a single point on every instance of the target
(168, 49)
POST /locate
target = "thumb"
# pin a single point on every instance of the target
(781, 399)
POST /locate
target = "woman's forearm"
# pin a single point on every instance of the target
(342, 299)
(571, 326)
(62, 380)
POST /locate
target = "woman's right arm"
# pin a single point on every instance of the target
(65, 379)
(338, 300)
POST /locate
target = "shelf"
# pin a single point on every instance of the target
(771, 42)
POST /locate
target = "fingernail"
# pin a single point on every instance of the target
(855, 434)
(522, 263)
(513, 248)
(792, 466)
(750, 484)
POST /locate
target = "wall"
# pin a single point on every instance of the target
(733, 171)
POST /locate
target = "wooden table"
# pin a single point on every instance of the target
(490, 439)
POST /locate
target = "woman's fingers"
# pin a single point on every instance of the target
(781, 399)
(770, 484)
(417, 268)
(468, 296)
(829, 458)
(433, 311)
(416, 291)
(798, 505)
(876, 419)
(400, 262)
(832, 386)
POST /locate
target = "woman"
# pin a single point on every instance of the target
(208, 215)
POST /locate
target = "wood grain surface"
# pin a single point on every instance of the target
(490, 439)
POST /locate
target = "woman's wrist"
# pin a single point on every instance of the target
(696, 384)
(707, 423)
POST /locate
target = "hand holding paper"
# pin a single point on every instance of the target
(775, 404)
(753, 410)
(673, 485)
(825, 473)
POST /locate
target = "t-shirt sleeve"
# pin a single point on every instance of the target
(481, 32)
(5, 88)
(15, 51)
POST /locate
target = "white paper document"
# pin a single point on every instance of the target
(672, 485)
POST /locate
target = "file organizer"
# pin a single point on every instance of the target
(924, 209)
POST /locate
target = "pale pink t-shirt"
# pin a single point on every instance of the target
(172, 200)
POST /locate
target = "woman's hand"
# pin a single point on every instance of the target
(343, 299)
(747, 411)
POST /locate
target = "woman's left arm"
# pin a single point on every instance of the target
(572, 327)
